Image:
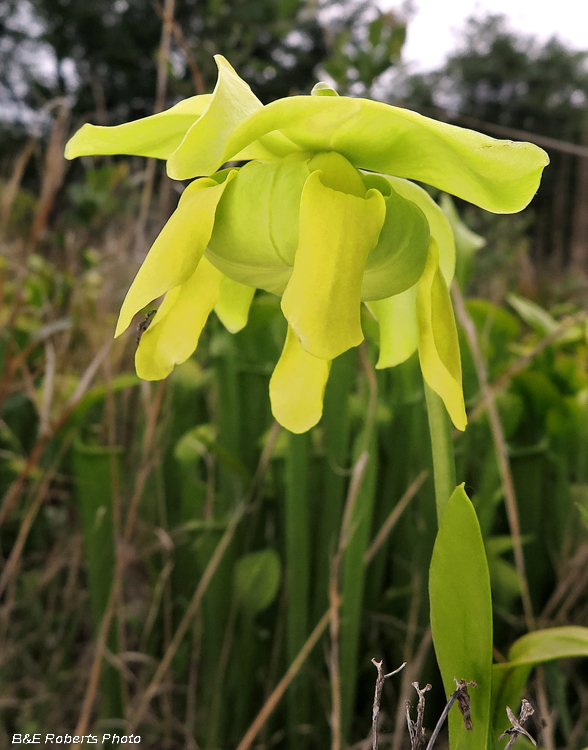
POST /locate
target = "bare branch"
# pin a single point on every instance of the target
(517, 724)
(380, 679)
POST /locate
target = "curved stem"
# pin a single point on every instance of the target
(440, 429)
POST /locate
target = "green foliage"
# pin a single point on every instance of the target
(257, 578)
(363, 44)
(509, 679)
(461, 616)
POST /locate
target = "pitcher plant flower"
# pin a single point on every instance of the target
(322, 212)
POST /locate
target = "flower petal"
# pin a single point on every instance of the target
(322, 299)
(176, 252)
(158, 135)
(173, 335)
(399, 331)
(500, 176)
(466, 241)
(232, 101)
(310, 121)
(438, 343)
(297, 386)
(234, 301)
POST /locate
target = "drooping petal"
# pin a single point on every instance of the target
(399, 330)
(322, 299)
(157, 136)
(297, 386)
(174, 333)
(232, 101)
(466, 241)
(438, 343)
(232, 306)
(500, 176)
(176, 252)
(439, 225)
(398, 260)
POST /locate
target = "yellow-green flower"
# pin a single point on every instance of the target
(321, 214)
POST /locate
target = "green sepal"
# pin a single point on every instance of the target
(176, 252)
(297, 386)
(174, 333)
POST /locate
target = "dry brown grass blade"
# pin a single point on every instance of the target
(282, 686)
(13, 185)
(394, 516)
(189, 615)
(525, 360)
(53, 173)
(15, 488)
(166, 33)
(121, 560)
(25, 526)
(186, 49)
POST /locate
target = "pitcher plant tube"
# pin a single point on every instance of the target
(321, 212)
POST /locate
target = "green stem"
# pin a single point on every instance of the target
(297, 575)
(440, 429)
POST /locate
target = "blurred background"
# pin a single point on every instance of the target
(166, 549)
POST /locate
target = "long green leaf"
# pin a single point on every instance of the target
(461, 616)
(509, 679)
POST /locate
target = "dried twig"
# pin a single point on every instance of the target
(517, 724)
(413, 670)
(416, 729)
(378, 697)
(462, 696)
(166, 33)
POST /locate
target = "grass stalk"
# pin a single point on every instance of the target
(297, 513)
(354, 541)
(441, 431)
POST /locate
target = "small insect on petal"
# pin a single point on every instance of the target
(144, 324)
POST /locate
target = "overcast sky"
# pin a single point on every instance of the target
(431, 34)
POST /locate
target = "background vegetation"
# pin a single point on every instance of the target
(167, 550)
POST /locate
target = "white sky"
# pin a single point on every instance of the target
(432, 32)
